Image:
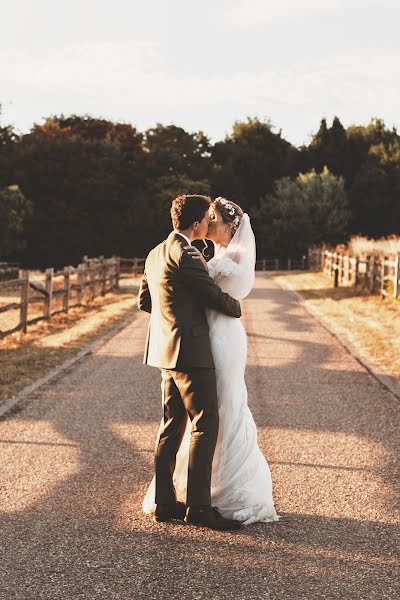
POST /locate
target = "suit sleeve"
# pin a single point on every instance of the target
(209, 294)
(144, 298)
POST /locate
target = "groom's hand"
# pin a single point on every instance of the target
(144, 298)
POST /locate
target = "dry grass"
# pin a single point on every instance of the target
(363, 246)
(370, 323)
(26, 357)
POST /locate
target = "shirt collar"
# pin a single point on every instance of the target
(184, 236)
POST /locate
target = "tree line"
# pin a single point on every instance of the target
(78, 185)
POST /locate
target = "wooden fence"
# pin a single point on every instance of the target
(131, 266)
(93, 277)
(374, 273)
(282, 264)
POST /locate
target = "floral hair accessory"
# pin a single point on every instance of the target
(236, 221)
(227, 204)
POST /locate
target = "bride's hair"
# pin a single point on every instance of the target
(230, 212)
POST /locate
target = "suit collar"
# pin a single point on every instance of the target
(180, 236)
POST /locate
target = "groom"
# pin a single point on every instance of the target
(176, 289)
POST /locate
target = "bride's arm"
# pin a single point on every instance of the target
(223, 266)
(196, 277)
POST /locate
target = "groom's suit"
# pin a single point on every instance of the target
(176, 289)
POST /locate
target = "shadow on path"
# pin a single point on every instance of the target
(77, 457)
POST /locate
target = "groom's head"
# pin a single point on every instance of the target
(190, 213)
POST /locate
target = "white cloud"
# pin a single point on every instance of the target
(252, 14)
(94, 64)
(136, 82)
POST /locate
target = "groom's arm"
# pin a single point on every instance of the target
(197, 279)
(144, 298)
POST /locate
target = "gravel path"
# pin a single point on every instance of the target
(76, 458)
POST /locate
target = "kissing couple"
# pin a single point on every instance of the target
(206, 453)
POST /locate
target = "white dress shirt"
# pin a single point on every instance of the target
(184, 236)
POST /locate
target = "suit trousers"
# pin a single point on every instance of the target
(192, 394)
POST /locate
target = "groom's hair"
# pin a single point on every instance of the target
(188, 209)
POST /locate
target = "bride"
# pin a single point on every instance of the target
(241, 484)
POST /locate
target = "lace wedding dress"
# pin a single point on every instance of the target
(241, 484)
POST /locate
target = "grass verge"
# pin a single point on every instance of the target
(371, 324)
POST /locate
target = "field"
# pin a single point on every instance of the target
(363, 246)
(371, 324)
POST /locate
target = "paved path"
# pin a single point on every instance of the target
(76, 458)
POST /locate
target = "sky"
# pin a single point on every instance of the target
(201, 65)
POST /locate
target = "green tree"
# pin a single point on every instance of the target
(375, 194)
(8, 141)
(300, 213)
(330, 147)
(249, 160)
(14, 210)
(85, 178)
(177, 162)
(164, 190)
(171, 151)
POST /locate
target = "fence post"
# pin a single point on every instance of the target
(375, 273)
(49, 289)
(117, 271)
(367, 273)
(371, 275)
(135, 267)
(383, 276)
(277, 264)
(356, 263)
(340, 267)
(289, 264)
(24, 301)
(103, 275)
(396, 277)
(67, 272)
(336, 276)
(92, 279)
(79, 289)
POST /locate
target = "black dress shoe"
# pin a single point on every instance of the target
(168, 512)
(210, 517)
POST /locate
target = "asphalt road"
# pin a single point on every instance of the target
(76, 458)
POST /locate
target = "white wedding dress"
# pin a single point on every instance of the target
(241, 484)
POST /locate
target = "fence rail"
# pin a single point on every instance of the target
(131, 266)
(374, 273)
(91, 278)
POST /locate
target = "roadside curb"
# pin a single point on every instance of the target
(89, 349)
(371, 367)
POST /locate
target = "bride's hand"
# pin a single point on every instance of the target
(195, 253)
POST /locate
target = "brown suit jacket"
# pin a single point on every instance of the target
(175, 289)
